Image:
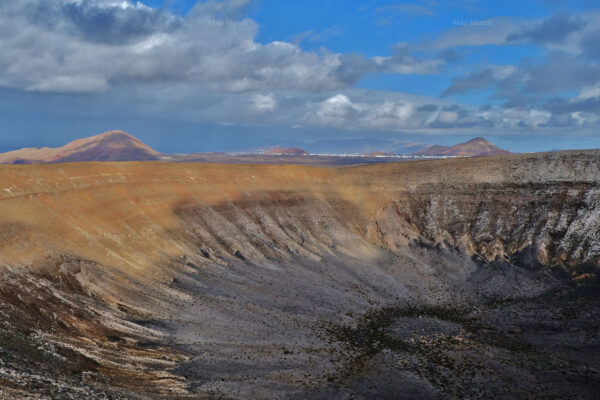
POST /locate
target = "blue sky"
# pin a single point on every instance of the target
(233, 75)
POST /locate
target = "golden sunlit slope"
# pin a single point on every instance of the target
(120, 214)
(108, 146)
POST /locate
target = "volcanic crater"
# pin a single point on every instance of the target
(454, 278)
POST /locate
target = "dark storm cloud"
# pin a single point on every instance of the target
(552, 30)
(563, 106)
(451, 55)
(453, 107)
(528, 84)
(478, 80)
(98, 22)
(352, 68)
(591, 44)
(559, 73)
(427, 108)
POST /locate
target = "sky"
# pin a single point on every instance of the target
(326, 75)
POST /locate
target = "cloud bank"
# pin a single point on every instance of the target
(207, 65)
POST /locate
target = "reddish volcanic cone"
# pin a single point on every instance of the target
(286, 151)
(477, 147)
(108, 146)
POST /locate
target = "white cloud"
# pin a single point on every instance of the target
(447, 117)
(264, 102)
(385, 111)
(589, 92)
(208, 66)
(117, 41)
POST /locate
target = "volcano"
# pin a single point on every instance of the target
(477, 147)
(452, 278)
(108, 146)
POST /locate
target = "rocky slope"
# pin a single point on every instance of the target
(433, 150)
(430, 279)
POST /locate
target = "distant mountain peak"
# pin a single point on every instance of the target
(278, 150)
(116, 132)
(108, 146)
(476, 147)
(480, 140)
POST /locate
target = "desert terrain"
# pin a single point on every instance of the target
(453, 278)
